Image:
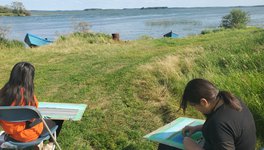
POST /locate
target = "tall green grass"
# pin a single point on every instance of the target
(13, 44)
(134, 87)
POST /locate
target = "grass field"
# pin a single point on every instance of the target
(134, 87)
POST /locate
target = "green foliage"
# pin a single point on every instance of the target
(88, 37)
(5, 10)
(208, 31)
(4, 43)
(134, 87)
(19, 9)
(16, 8)
(91, 35)
(235, 19)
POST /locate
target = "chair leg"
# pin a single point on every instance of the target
(55, 137)
(55, 141)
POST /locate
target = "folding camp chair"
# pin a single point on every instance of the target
(21, 114)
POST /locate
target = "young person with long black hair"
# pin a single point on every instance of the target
(19, 91)
(229, 123)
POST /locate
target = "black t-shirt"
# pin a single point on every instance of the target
(228, 129)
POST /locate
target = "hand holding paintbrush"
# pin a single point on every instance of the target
(189, 130)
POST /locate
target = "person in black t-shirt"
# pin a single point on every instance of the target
(229, 123)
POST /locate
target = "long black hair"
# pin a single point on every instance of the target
(20, 85)
(197, 89)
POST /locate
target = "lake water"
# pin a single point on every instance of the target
(129, 23)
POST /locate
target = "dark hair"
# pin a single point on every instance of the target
(197, 89)
(20, 85)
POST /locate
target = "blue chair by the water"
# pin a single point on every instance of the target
(21, 114)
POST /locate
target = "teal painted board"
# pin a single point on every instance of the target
(62, 111)
(171, 134)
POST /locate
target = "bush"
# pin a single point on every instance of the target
(235, 19)
(88, 37)
(19, 9)
(5, 10)
(206, 31)
(4, 43)
(93, 37)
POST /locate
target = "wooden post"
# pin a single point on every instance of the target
(115, 36)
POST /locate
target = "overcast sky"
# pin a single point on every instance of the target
(83, 4)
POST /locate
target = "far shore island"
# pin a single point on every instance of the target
(154, 7)
(163, 7)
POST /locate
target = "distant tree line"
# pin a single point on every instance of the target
(14, 9)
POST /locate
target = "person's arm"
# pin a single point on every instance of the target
(36, 101)
(189, 144)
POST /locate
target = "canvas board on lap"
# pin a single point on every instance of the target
(62, 111)
(171, 134)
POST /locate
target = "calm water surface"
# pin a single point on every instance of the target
(129, 23)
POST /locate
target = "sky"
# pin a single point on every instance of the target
(119, 4)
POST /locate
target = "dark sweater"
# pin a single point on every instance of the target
(228, 129)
